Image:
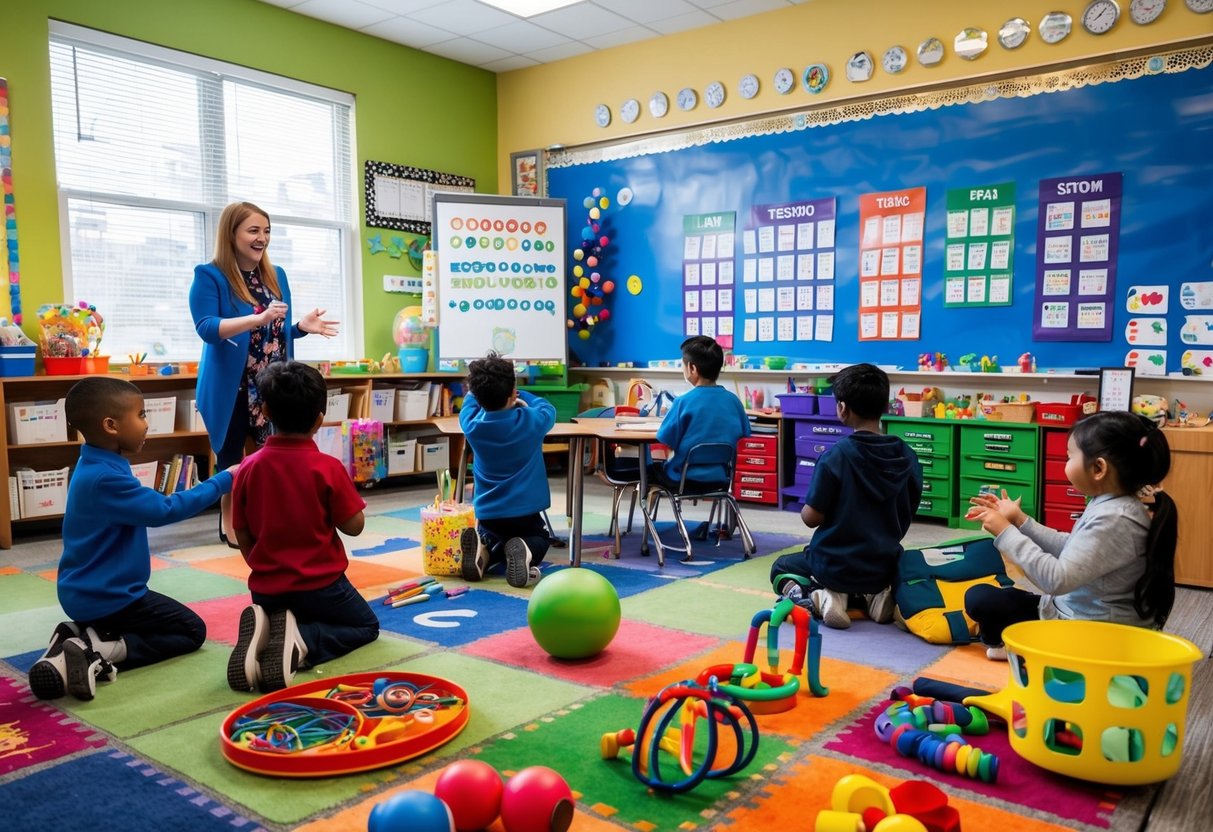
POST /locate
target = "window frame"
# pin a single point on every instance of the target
(349, 234)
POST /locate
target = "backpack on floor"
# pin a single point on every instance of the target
(931, 586)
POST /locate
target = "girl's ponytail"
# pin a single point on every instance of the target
(1154, 594)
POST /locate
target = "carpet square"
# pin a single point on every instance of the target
(881, 645)
(25, 592)
(25, 635)
(681, 605)
(637, 649)
(453, 622)
(1018, 780)
(33, 732)
(194, 583)
(111, 787)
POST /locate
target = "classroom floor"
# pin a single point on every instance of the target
(1183, 804)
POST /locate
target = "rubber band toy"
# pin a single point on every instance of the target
(689, 702)
(773, 692)
(350, 723)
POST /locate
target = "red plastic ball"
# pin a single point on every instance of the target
(604, 241)
(472, 788)
(536, 799)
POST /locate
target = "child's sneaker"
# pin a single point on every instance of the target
(474, 556)
(113, 651)
(533, 576)
(793, 591)
(284, 652)
(47, 676)
(517, 563)
(833, 608)
(881, 605)
(997, 654)
(84, 667)
(243, 672)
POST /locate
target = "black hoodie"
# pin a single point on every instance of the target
(867, 486)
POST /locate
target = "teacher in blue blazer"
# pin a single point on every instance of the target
(241, 306)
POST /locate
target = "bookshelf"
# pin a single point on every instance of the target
(48, 456)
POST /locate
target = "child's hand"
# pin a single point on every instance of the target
(995, 513)
(233, 469)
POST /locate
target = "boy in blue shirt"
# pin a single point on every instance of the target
(861, 500)
(116, 621)
(705, 413)
(505, 428)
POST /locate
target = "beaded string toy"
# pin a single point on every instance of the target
(289, 727)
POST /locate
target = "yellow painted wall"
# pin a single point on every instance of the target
(554, 103)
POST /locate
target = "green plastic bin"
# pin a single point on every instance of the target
(566, 400)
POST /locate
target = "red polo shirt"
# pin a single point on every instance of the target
(291, 497)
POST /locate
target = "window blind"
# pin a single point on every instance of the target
(151, 144)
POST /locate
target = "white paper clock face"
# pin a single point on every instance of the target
(659, 104)
(784, 81)
(748, 86)
(687, 98)
(1055, 27)
(859, 67)
(1200, 6)
(713, 94)
(930, 52)
(629, 110)
(894, 59)
(1014, 33)
(1100, 16)
(1142, 12)
(602, 115)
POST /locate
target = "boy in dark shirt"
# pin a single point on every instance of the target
(861, 501)
(116, 621)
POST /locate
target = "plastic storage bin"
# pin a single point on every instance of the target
(43, 493)
(63, 366)
(566, 400)
(797, 404)
(17, 361)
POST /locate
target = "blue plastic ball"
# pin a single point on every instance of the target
(412, 810)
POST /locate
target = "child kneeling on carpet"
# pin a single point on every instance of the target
(103, 573)
(1118, 562)
(288, 504)
(861, 501)
(505, 427)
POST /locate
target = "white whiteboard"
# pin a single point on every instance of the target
(501, 277)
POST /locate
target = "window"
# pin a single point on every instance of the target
(150, 144)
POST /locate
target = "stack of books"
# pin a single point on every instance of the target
(177, 474)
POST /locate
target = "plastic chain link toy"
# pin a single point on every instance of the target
(930, 729)
(773, 692)
(688, 702)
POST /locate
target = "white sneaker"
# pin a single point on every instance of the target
(84, 667)
(284, 652)
(881, 605)
(996, 654)
(474, 556)
(533, 576)
(243, 670)
(833, 608)
(517, 563)
(112, 651)
(47, 678)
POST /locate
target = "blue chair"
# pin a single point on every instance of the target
(721, 497)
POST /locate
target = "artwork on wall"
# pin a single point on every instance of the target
(980, 240)
(401, 197)
(10, 208)
(707, 277)
(526, 173)
(890, 264)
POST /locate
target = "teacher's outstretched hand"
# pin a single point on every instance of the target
(313, 322)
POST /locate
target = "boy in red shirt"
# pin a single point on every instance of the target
(288, 504)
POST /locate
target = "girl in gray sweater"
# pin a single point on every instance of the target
(1118, 563)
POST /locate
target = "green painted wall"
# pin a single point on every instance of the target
(413, 108)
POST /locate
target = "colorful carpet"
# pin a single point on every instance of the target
(144, 754)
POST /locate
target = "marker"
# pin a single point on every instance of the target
(424, 579)
(416, 599)
(459, 590)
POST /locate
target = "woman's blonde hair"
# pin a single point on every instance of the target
(230, 220)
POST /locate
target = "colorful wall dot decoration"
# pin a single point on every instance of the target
(10, 208)
(590, 285)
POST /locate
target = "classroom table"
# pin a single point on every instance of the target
(577, 432)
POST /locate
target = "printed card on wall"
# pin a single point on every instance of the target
(708, 245)
(980, 246)
(890, 264)
(1077, 240)
(789, 249)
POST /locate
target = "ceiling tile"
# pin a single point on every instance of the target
(348, 13)
(512, 62)
(691, 20)
(642, 11)
(468, 51)
(467, 17)
(409, 32)
(403, 6)
(521, 36)
(581, 21)
(286, 4)
(558, 53)
(628, 35)
(744, 8)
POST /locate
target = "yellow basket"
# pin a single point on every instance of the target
(1009, 411)
(441, 529)
(1124, 699)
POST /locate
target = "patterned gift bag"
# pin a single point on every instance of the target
(441, 527)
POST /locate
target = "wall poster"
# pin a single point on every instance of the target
(980, 248)
(707, 275)
(890, 264)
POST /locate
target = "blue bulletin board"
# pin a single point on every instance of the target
(1149, 119)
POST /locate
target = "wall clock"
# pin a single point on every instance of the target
(1142, 12)
(1100, 16)
(659, 104)
(748, 86)
(784, 81)
(629, 110)
(1014, 32)
(602, 115)
(687, 98)
(713, 94)
(894, 59)
(1200, 6)
(1055, 27)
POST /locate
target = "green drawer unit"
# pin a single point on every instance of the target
(933, 441)
(1003, 455)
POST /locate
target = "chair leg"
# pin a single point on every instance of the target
(650, 527)
(747, 540)
(676, 506)
(617, 493)
(632, 508)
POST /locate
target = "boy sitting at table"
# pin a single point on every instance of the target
(504, 427)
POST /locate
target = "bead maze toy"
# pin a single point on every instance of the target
(350, 723)
(688, 702)
(772, 692)
(1113, 714)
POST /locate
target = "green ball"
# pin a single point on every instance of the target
(573, 613)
